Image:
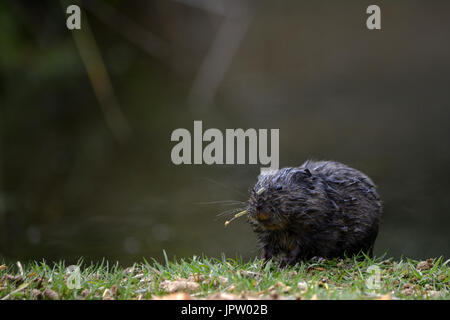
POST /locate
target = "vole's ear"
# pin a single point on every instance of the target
(301, 175)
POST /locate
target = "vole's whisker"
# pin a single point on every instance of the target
(225, 186)
(221, 202)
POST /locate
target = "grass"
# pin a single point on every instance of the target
(210, 278)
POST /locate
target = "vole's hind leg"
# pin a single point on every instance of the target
(267, 254)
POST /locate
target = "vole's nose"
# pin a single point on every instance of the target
(262, 216)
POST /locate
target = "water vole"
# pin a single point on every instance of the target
(322, 208)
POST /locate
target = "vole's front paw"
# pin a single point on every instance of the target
(283, 263)
(266, 256)
(288, 260)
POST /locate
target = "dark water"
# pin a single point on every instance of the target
(74, 182)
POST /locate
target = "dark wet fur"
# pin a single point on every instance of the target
(320, 209)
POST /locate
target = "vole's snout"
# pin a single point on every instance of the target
(267, 220)
(259, 211)
(261, 216)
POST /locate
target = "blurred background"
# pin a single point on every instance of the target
(86, 118)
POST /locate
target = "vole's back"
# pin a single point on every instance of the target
(321, 208)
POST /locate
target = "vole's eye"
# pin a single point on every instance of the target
(278, 187)
(301, 175)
